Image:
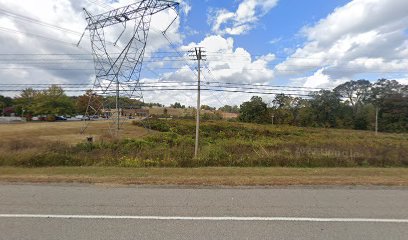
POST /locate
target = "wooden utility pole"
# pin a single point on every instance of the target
(198, 56)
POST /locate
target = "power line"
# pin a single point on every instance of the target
(172, 59)
(169, 68)
(50, 69)
(100, 4)
(296, 57)
(105, 6)
(35, 35)
(178, 52)
(69, 61)
(207, 84)
(178, 89)
(39, 22)
(159, 52)
(209, 71)
(68, 54)
(160, 85)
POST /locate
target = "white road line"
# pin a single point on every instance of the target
(179, 218)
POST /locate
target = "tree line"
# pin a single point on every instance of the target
(351, 105)
(54, 102)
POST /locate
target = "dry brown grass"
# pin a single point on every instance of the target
(67, 132)
(210, 176)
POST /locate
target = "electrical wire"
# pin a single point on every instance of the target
(35, 35)
(219, 84)
(178, 89)
(39, 22)
(100, 4)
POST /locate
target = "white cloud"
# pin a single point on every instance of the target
(362, 37)
(318, 80)
(185, 7)
(230, 64)
(69, 14)
(243, 20)
(225, 63)
(275, 40)
(35, 39)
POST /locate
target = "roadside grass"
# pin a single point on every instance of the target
(209, 176)
(222, 144)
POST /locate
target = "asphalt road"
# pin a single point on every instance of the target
(101, 212)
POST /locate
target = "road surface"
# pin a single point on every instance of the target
(103, 212)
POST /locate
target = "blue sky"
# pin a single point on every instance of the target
(304, 53)
(311, 44)
(282, 23)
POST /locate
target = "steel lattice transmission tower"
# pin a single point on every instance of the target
(118, 40)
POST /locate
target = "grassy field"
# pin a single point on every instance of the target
(209, 176)
(222, 144)
(66, 132)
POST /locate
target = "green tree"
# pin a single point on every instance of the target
(385, 95)
(5, 102)
(254, 111)
(356, 93)
(306, 117)
(26, 101)
(287, 109)
(123, 102)
(53, 101)
(382, 89)
(328, 109)
(394, 113)
(89, 101)
(361, 118)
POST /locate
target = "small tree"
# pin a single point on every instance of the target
(254, 111)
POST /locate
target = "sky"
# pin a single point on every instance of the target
(310, 44)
